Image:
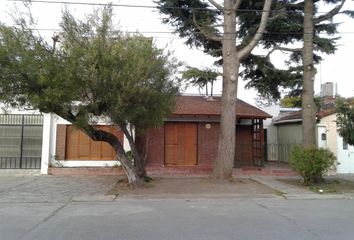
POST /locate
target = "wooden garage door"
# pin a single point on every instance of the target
(79, 146)
(180, 144)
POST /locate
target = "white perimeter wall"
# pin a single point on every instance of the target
(49, 147)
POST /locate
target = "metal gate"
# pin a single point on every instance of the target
(20, 141)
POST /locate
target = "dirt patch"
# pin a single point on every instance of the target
(198, 187)
(329, 186)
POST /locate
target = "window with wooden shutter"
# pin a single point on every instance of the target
(180, 144)
(79, 146)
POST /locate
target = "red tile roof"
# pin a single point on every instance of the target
(198, 105)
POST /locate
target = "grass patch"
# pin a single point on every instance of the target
(328, 186)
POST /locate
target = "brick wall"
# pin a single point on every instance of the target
(155, 148)
(206, 150)
(207, 145)
(208, 139)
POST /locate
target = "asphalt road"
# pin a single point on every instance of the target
(179, 219)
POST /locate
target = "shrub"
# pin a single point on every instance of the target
(311, 163)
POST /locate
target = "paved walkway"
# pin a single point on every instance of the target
(44, 188)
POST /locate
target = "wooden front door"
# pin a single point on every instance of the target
(180, 144)
(243, 156)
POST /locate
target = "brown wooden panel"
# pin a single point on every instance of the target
(60, 142)
(96, 149)
(170, 134)
(191, 155)
(181, 144)
(84, 146)
(106, 151)
(79, 146)
(171, 155)
(244, 141)
(190, 136)
(72, 141)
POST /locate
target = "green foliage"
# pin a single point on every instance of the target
(90, 71)
(311, 163)
(345, 119)
(182, 15)
(285, 28)
(290, 102)
(296, 101)
(201, 78)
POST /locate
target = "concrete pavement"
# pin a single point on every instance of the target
(65, 208)
(32, 187)
(180, 219)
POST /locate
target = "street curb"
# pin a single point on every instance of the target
(197, 196)
(93, 198)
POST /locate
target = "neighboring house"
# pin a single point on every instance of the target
(189, 137)
(285, 130)
(327, 136)
(276, 150)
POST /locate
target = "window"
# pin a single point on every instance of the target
(79, 146)
(323, 137)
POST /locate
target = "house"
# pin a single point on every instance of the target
(189, 137)
(276, 150)
(289, 130)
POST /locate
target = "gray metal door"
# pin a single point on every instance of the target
(20, 141)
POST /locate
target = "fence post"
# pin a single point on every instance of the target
(46, 142)
(21, 144)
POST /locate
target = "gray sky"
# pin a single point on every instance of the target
(335, 68)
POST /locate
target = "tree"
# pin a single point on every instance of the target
(300, 17)
(90, 73)
(197, 21)
(290, 102)
(345, 119)
(201, 78)
(296, 101)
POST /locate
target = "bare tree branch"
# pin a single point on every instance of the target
(237, 4)
(265, 14)
(330, 14)
(218, 6)
(208, 35)
(294, 50)
(279, 13)
(289, 49)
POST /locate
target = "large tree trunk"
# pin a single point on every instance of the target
(138, 160)
(308, 104)
(133, 178)
(232, 57)
(224, 162)
(98, 135)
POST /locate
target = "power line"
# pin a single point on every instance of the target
(171, 32)
(145, 6)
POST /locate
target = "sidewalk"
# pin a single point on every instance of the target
(32, 187)
(293, 192)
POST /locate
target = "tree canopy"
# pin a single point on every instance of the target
(91, 71)
(345, 119)
(196, 20)
(201, 78)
